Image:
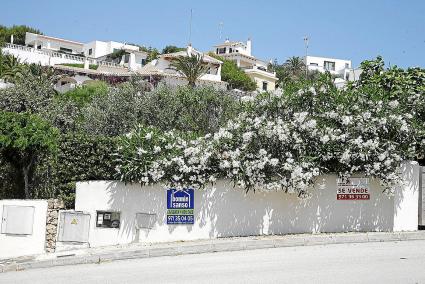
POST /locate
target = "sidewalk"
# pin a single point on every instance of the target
(139, 250)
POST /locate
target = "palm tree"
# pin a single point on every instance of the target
(295, 67)
(191, 67)
(10, 68)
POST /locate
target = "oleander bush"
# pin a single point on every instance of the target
(285, 141)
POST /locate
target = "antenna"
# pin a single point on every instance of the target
(306, 53)
(190, 28)
(221, 30)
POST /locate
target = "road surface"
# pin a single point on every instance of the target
(390, 262)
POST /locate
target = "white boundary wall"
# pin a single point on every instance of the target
(18, 245)
(225, 211)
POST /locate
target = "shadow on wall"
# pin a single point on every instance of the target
(223, 211)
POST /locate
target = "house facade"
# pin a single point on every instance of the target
(337, 67)
(162, 67)
(256, 69)
(51, 51)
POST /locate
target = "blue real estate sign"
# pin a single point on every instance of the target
(180, 203)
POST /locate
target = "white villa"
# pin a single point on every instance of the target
(47, 50)
(256, 69)
(339, 67)
(162, 67)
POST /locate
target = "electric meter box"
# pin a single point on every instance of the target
(17, 220)
(74, 226)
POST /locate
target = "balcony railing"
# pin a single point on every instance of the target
(51, 53)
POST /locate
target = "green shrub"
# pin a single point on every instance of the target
(201, 110)
(81, 158)
(86, 93)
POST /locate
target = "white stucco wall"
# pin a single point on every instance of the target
(340, 64)
(19, 245)
(225, 211)
(406, 199)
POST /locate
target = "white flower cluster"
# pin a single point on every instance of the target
(284, 148)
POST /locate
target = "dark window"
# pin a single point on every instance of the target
(264, 86)
(39, 46)
(221, 50)
(230, 50)
(143, 61)
(108, 219)
(314, 64)
(126, 58)
(347, 65)
(64, 49)
(90, 51)
(329, 65)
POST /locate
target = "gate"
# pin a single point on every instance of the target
(74, 227)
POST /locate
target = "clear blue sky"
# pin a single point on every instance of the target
(356, 29)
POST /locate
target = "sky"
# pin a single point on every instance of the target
(356, 29)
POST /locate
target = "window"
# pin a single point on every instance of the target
(108, 219)
(143, 61)
(221, 50)
(230, 50)
(126, 58)
(347, 65)
(265, 86)
(329, 65)
(64, 49)
(314, 64)
(90, 51)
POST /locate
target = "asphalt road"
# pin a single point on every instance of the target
(392, 262)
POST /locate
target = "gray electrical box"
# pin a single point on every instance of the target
(145, 220)
(17, 220)
(74, 227)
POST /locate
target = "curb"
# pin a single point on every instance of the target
(238, 244)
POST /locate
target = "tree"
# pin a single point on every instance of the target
(10, 68)
(32, 95)
(295, 67)
(172, 49)
(24, 138)
(236, 77)
(18, 33)
(112, 114)
(152, 52)
(191, 67)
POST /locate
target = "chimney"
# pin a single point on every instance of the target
(86, 64)
(189, 50)
(132, 62)
(248, 46)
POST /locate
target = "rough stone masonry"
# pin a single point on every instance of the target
(53, 207)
